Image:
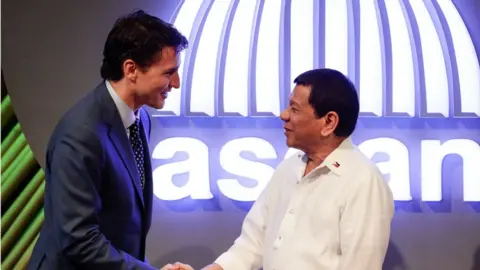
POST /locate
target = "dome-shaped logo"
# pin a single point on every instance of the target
(410, 59)
(407, 58)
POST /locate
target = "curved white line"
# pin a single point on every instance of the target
(235, 85)
(267, 59)
(202, 99)
(301, 38)
(403, 80)
(371, 71)
(467, 59)
(336, 35)
(436, 82)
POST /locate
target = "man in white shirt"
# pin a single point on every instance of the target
(325, 208)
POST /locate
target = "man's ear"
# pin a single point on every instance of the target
(130, 70)
(331, 122)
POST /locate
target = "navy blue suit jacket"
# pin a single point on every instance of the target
(96, 214)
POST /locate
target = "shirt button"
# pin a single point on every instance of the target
(291, 211)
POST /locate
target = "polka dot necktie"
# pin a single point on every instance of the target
(138, 149)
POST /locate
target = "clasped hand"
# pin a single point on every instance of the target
(177, 266)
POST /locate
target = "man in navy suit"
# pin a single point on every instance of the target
(98, 196)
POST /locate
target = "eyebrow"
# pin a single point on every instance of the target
(294, 103)
(171, 70)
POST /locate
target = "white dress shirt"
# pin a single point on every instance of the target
(126, 113)
(337, 217)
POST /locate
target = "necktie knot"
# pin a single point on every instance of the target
(135, 125)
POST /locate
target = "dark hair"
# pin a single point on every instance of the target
(140, 37)
(332, 92)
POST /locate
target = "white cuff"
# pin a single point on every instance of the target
(228, 261)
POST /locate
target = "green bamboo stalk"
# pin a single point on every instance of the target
(11, 161)
(7, 111)
(6, 104)
(9, 216)
(23, 261)
(18, 175)
(10, 139)
(25, 240)
(13, 150)
(23, 219)
(18, 159)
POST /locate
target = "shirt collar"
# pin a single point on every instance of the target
(337, 160)
(127, 115)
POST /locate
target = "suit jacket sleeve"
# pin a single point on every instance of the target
(74, 164)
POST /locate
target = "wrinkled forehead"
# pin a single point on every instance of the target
(300, 94)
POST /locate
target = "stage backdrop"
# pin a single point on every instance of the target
(218, 140)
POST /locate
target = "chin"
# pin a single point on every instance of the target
(158, 105)
(289, 143)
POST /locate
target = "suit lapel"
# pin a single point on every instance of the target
(118, 136)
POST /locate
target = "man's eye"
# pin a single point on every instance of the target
(170, 73)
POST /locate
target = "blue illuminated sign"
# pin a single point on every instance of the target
(414, 63)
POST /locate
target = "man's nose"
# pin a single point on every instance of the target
(284, 115)
(175, 81)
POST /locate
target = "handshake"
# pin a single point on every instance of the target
(182, 266)
(177, 266)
